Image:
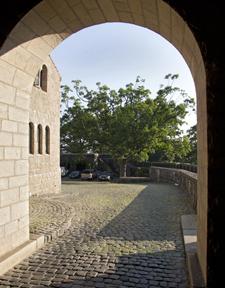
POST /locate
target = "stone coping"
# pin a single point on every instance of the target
(189, 229)
(134, 179)
(21, 252)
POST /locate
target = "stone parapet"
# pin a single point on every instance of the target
(185, 179)
(133, 179)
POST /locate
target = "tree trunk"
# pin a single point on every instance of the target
(123, 167)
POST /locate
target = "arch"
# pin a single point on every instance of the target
(31, 138)
(50, 22)
(39, 139)
(47, 140)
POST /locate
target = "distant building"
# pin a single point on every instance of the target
(44, 131)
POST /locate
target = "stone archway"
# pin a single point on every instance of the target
(24, 51)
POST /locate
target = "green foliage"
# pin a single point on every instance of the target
(190, 147)
(128, 123)
(191, 157)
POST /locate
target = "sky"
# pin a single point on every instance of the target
(114, 54)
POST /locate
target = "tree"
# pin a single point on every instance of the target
(128, 123)
(191, 157)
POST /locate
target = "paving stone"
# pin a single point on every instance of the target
(129, 284)
(121, 236)
(163, 284)
(172, 285)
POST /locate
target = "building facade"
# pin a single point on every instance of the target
(44, 131)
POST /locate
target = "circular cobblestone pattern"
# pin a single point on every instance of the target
(121, 235)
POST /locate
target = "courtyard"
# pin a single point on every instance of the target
(115, 235)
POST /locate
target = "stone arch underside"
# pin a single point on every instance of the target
(23, 53)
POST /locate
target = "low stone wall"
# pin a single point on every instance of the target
(133, 179)
(185, 179)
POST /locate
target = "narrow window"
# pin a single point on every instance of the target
(44, 78)
(37, 79)
(39, 139)
(41, 79)
(47, 140)
(31, 138)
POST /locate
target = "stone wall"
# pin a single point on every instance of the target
(44, 166)
(185, 179)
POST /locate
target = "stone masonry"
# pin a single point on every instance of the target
(30, 30)
(44, 167)
(185, 179)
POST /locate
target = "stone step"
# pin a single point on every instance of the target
(15, 256)
(189, 229)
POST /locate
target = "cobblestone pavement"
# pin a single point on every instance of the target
(121, 235)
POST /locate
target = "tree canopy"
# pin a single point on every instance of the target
(190, 157)
(128, 124)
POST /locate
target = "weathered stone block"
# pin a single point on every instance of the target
(20, 236)
(24, 222)
(5, 139)
(4, 216)
(1, 153)
(18, 57)
(39, 26)
(18, 181)
(3, 111)
(20, 140)
(22, 99)
(11, 227)
(25, 154)
(9, 197)
(9, 126)
(24, 193)
(5, 244)
(23, 128)
(6, 168)
(8, 90)
(4, 184)
(19, 210)
(2, 231)
(164, 12)
(21, 167)
(19, 115)
(6, 72)
(39, 47)
(23, 81)
(108, 10)
(57, 24)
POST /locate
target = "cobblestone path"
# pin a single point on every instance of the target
(122, 235)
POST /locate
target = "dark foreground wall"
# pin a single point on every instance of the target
(185, 179)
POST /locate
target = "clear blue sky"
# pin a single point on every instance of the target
(116, 53)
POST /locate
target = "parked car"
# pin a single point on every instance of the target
(88, 174)
(98, 173)
(74, 175)
(106, 176)
(63, 171)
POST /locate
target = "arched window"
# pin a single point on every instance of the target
(41, 79)
(47, 140)
(44, 78)
(39, 139)
(31, 138)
